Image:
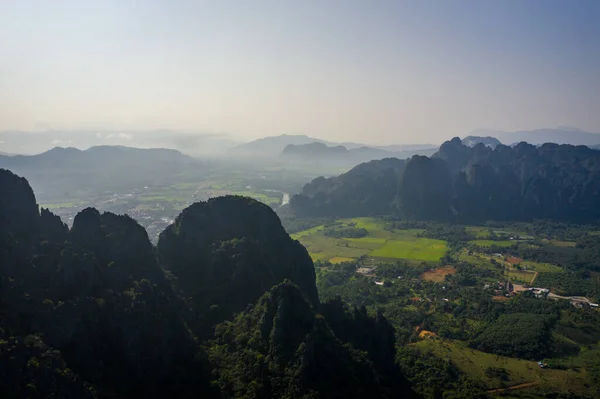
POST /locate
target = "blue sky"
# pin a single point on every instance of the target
(370, 71)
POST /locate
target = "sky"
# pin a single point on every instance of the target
(379, 72)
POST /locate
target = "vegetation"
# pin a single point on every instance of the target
(97, 311)
(520, 335)
(466, 184)
(370, 238)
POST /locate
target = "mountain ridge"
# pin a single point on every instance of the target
(562, 135)
(468, 184)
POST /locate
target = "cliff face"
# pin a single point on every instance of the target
(225, 253)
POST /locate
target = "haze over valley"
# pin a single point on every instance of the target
(300, 199)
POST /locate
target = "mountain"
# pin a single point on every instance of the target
(91, 311)
(288, 350)
(228, 252)
(370, 187)
(6, 154)
(472, 141)
(275, 145)
(192, 143)
(321, 153)
(97, 169)
(564, 135)
(467, 184)
(79, 306)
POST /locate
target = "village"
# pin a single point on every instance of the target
(502, 290)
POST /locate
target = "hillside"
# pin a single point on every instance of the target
(525, 182)
(91, 312)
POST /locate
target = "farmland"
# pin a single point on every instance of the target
(518, 371)
(455, 321)
(380, 243)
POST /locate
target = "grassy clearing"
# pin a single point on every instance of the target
(475, 363)
(478, 260)
(541, 267)
(489, 243)
(424, 249)
(523, 276)
(438, 275)
(381, 244)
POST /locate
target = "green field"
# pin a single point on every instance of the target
(475, 363)
(541, 267)
(380, 244)
(520, 276)
(424, 249)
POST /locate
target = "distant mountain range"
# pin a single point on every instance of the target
(274, 146)
(321, 153)
(98, 168)
(561, 135)
(466, 184)
(191, 143)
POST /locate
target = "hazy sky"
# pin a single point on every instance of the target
(372, 71)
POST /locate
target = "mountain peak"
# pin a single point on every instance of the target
(18, 207)
(228, 250)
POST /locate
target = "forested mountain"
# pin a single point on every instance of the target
(225, 253)
(367, 189)
(468, 184)
(91, 312)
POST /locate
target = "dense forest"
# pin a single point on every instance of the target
(466, 184)
(225, 306)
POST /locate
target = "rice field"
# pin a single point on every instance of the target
(380, 244)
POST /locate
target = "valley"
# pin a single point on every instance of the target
(446, 289)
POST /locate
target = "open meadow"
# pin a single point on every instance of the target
(377, 242)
